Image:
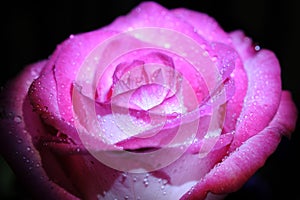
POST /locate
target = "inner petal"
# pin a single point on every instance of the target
(145, 82)
(148, 96)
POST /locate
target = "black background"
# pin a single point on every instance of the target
(30, 31)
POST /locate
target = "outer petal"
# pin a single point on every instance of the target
(94, 180)
(238, 167)
(19, 125)
(51, 92)
(146, 14)
(209, 28)
(243, 44)
(263, 93)
(204, 25)
(235, 104)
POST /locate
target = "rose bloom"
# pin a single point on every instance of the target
(159, 104)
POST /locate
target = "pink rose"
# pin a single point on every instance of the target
(160, 104)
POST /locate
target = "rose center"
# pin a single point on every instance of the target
(147, 86)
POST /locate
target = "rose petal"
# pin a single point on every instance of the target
(203, 24)
(262, 97)
(242, 44)
(53, 88)
(96, 180)
(146, 15)
(20, 124)
(238, 167)
(43, 97)
(234, 104)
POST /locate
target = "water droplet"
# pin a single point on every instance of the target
(123, 177)
(256, 47)
(18, 119)
(138, 9)
(164, 181)
(146, 182)
(214, 58)
(167, 45)
(205, 53)
(98, 196)
(175, 114)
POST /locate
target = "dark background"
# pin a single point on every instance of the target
(30, 31)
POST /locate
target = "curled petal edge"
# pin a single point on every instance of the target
(230, 175)
(17, 144)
